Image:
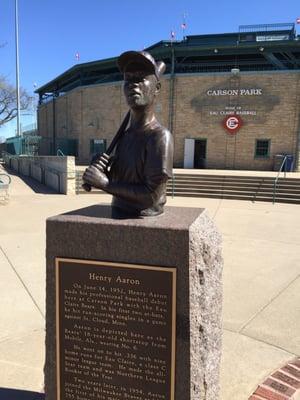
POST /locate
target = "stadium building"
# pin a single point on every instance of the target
(232, 101)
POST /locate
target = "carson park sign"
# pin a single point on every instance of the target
(235, 92)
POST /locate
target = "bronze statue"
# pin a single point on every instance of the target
(137, 173)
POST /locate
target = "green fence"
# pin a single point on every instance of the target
(27, 145)
(33, 145)
(15, 145)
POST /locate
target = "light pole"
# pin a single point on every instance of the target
(17, 69)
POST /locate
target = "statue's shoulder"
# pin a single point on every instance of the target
(159, 132)
(160, 140)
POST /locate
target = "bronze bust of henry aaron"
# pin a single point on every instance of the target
(137, 173)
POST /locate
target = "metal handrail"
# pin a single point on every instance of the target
(59, 153)
(8, 178)
(283, 164)
(4, 188)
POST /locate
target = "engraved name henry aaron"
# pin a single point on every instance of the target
(115, 331)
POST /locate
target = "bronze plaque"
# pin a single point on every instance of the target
(115, 331)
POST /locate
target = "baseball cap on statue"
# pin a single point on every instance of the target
(142, 58)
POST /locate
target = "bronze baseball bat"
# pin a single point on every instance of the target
(111, 147)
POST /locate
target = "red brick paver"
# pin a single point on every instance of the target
(292, 371)
(296, 363)
(283, 384)
(286, 379)
(269, 394)
(279, 387)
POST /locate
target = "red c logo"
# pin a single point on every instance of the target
(232, 123)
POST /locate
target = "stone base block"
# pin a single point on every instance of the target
(185, 238)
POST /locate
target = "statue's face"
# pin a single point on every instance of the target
(140, 88)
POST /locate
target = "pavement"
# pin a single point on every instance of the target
(261, 310)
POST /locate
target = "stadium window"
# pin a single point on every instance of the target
(97, 146)
(262, 148)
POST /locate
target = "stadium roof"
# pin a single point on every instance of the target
(252, 48)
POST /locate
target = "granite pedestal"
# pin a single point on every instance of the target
(184, 238)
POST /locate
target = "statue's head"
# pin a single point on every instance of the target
(141, 77)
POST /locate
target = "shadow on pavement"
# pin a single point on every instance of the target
(15, 394)
(36, 186)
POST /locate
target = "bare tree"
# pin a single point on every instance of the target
(8, 101)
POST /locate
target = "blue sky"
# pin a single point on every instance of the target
(52, 31)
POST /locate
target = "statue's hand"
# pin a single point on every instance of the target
(102, 162)
(95, 176)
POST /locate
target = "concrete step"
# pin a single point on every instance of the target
(253, 188)
(225, 179)
(228, 185)
(238, 176)
(249, 193)
(238, 197)
(211, 184)
(233, 196)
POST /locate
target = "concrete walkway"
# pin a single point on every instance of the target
(261, 286)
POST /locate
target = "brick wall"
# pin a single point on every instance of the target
(96, 112)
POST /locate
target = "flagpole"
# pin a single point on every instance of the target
(183, 24)
(17, 68)
(172, 83)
